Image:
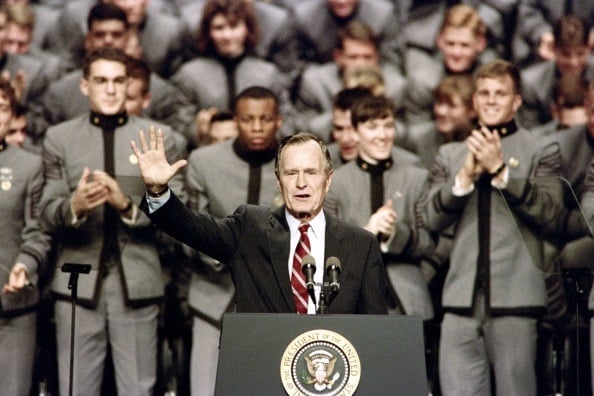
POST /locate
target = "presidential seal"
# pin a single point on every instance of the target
(320, 363)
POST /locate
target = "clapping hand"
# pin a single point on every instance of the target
(152, 162)
(383, 221)
(17, 279)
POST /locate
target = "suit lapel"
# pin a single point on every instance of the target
(334, 241)
(279, 239)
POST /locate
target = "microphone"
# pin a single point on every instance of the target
(332, 271)
(308, 267)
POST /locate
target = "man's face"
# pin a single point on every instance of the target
(303, 180)
(495, 100)
(221, 131)
(342, 8)
(376, 138)
(18, 39)
(106, 86)
(228, 39)
(5, 115)
(450, 114)
(344, 134)
(258, 121)
(136, 99)
(17, 132)
(572, 60)
(108, 33)
(356, 53)
(135, 9)
(460, 48)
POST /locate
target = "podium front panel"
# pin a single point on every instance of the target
(390, 350)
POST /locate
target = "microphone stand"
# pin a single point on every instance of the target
(327, 295)
(74, 270)
(322, 306)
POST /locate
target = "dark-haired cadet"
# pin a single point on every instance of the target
(383, 202)
(90, 195)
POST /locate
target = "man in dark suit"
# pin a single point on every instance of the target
(257, 244)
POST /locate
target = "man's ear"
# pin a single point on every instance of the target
(481, 43)
(336, 55)
(439, 41)
(555, 113)
(146, 101)
(84, 86)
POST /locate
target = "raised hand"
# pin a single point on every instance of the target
(152, 162)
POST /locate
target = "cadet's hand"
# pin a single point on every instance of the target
(17, 279)
(88, 195)
(486, 148)
(383, 221)
(115, 196)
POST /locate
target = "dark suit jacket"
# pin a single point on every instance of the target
(254, 242)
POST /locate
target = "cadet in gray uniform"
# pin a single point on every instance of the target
(226, 44)
(24, 249)
(219, 178)
(92, 187)
(379, 191)
(494, 292)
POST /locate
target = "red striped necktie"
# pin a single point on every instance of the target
(297, 278)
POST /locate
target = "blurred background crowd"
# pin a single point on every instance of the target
(396, 88)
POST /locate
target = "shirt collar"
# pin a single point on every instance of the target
(317, 224)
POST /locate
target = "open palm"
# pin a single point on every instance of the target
(152, 162)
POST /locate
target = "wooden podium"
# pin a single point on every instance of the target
(289, 354)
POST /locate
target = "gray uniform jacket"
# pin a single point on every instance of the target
(517, 215)
(405, 185)
(22, 239)
(423, 139)
(37, 80)
(64, 100)
(317, 29)
(538, 82)
(276, 42)
(68, 148)
(318, 87)
(213, 91)
(538, 16)
(161, 36)
(587, 202)
(217, 183)
(424, 72)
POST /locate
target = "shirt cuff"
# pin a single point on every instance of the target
(75, 221)
(155, 203)
(501, 182)
(132, 220)
(460, 191)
